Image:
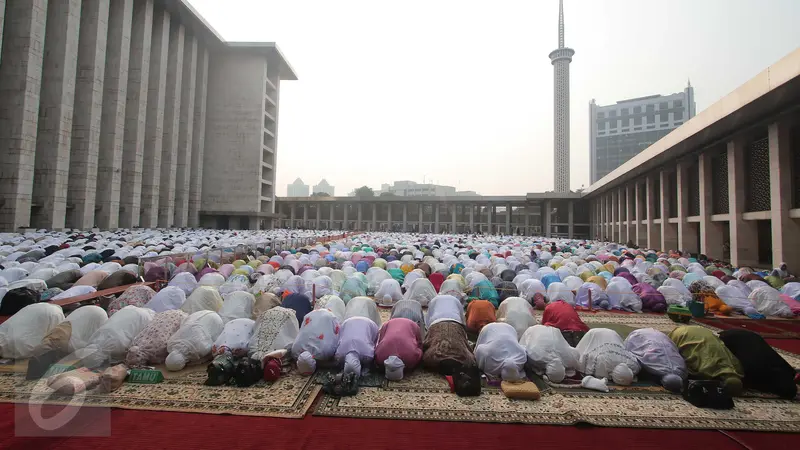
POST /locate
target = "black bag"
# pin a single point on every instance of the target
(341, 384)
(467, 381)
(707, 394)
(220, 370)
(247, 372)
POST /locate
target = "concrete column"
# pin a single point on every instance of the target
(20, 83)
(87, 115)
(319, 215)
(785, 230)
(154, 132)
(305, 215)
(360, 224)
(136, 114)
(744, 234)
(186, 132)
(2, 19)
(669, 232)
(374, 217)
(546, 218)
(710, 232)
(609, 218)
(622, 216)
(490, 214)
(614, 216)
(508, 218)
(527, 231)
(51, 169)
(453, 218)
(629, 230)
(332, 216)
(472, 218)
(112, 122)
(345, 221)
(291, 215)
(436, 218)
(638, 231)
(687, 236)
(405, 217)
(571, 219)
(389, 216)
(172, 124)
(420, 206)
(650, 197)
(198, 137)
(602, 201)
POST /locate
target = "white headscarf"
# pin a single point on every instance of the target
(169, 298)
(363, 307)
(498, 353)
(549, 353)
(603, 355)
(23, 331)
(194, 339)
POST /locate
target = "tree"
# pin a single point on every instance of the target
(365, 191)
(320, 194)
(387, 194)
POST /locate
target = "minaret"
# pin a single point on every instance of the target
(561, 57)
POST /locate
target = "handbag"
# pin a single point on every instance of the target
(707, 394)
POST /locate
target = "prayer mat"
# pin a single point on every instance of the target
(425, 395)
(769, 328)
(289, 397)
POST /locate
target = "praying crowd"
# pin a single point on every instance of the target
(475, 309)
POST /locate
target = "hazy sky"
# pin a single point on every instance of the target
(460, 92)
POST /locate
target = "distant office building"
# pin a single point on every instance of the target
(297, 189)
(621, 131)
(323, 187)
(407, 188)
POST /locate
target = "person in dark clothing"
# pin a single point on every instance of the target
(764, 369)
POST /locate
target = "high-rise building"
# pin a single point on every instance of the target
(621, 131)
(560, 58)
(323, 187)
(133, 113)
(297, 189)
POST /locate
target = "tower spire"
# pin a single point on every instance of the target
(560, 23)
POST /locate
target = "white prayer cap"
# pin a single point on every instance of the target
(394, 368)
(306, 364)
(555, 371)
(622, 374)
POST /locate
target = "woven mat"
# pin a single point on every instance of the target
(426, 396)
(290, 397)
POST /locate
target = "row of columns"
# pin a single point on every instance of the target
(621, 220)
(99, 104)
(436, 219)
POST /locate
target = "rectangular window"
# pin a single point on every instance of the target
(637, 109)
(624, 111)
(601, 115)
(601, 124)
(677, 115)
(613, 123)
(677, 104)
(612, 114)
(651, 116)
(637, 120)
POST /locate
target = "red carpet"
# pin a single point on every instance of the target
(769, 329)
(181, 431)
